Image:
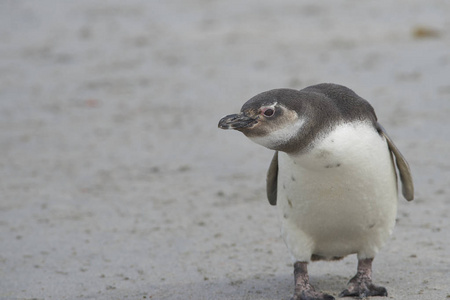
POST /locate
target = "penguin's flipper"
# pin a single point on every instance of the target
(402, 166)
(272, 180)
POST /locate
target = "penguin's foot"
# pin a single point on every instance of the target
(311, 295)
(361, 285)
(304, 290)
(363, 290)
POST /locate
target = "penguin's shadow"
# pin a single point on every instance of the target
(258, 286)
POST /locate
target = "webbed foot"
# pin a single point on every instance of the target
(361, 285)
(303, 289)
(311, 295)
(363, 290)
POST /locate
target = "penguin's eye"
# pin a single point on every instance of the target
(268, 112)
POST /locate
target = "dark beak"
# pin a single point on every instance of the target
(236, 121)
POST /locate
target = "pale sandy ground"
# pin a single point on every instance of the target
(117, 184)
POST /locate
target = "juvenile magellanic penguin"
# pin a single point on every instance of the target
(332, 177)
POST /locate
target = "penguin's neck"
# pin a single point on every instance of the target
(347, 145)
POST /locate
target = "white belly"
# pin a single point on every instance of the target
(339, 198)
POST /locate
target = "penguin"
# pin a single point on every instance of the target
(333, 178)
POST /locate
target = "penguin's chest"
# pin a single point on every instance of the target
(341, 193)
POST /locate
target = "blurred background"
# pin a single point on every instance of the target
(116, 183)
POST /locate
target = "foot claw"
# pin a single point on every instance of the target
(346, 293)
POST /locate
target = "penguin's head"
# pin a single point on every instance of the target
(269, 119)
(293, 121)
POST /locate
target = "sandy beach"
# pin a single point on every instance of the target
(117, 184)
